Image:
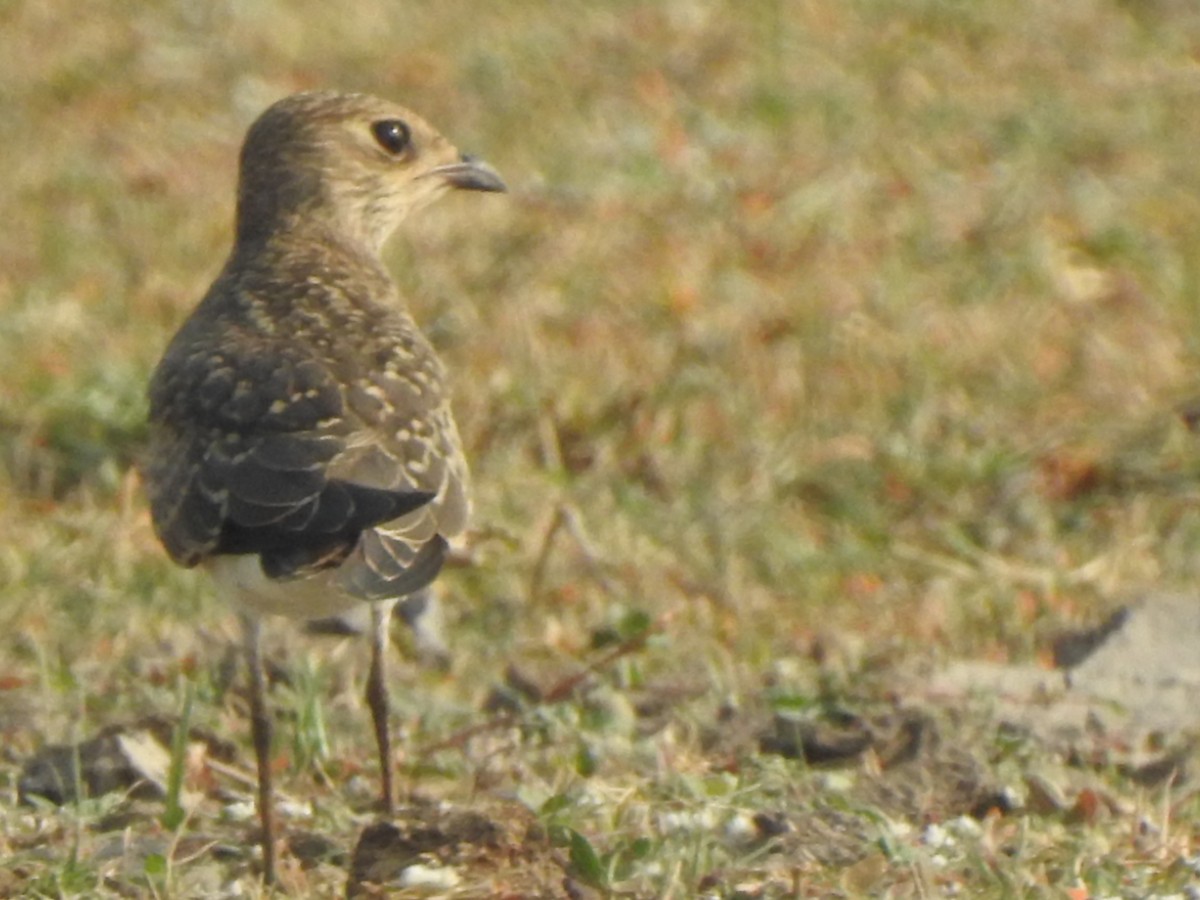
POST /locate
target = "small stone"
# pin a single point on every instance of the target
(420, 875)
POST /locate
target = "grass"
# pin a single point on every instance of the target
(851, 337)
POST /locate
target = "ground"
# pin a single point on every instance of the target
(824, 358)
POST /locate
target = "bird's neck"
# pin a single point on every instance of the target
(303, 211)
(302, 234)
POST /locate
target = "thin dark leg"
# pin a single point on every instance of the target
(377, 699)
(260, 722)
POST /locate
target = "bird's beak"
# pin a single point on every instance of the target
(469, 174)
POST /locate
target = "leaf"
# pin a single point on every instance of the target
(585, 862)
(634, 623)
(639, 849)
(586, 762)
(155, 865)
(174, 815)
(555, 804)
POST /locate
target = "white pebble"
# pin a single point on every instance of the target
(241, 811)
(423, 876)
(740, 829)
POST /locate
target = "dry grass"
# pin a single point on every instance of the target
(852, 333)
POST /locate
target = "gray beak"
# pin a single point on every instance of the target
(470, 174)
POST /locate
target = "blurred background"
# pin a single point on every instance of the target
(858, 325)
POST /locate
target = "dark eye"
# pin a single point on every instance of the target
(393, 135)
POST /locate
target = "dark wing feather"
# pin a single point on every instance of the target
(233, 469)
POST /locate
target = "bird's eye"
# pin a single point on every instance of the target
(393, 135)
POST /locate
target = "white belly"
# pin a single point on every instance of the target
(241, 578)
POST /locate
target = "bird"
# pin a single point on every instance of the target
(301, 447)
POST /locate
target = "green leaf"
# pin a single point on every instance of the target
(585, 862)
(586, 761)
(635, 622)
(639, 849)
(622, 860)
(555, 804)
(174, 815)
(155, 865)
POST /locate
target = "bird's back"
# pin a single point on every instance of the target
(300, 424)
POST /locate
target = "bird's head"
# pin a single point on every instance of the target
(355, 162)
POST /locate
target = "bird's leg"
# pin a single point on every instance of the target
(260, 723)
(377, 698)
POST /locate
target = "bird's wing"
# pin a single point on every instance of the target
(406, 441)
(243, 458)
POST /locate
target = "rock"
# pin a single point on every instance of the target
(1133, 677)
(114, 760)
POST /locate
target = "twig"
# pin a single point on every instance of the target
(567, 517)
(561, 691)
(567, 686)
(459, 738)
(543, 558)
